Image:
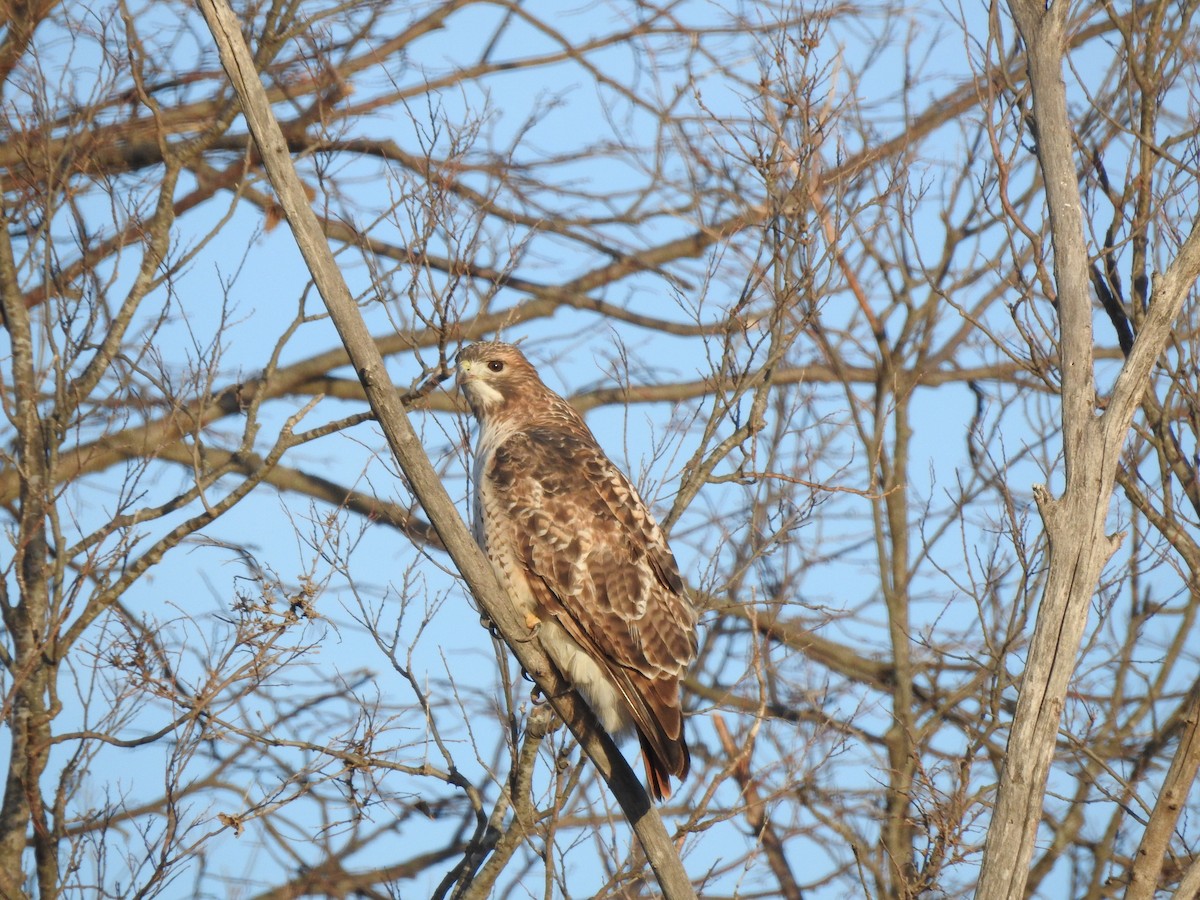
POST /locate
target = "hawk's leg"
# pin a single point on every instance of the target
(531, 622)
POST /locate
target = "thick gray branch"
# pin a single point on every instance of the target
(1075, 522)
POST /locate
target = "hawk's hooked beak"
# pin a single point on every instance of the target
(469, 377)
(464, 371)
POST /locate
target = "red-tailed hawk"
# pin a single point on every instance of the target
(580, 555)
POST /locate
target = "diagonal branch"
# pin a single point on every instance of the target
(235, 57)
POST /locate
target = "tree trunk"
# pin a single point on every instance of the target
(1074, 522)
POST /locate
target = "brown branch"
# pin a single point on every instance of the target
(755, 812)
(330, 879)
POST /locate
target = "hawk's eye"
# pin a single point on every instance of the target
(496, 365)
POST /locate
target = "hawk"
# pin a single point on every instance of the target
(580, 555)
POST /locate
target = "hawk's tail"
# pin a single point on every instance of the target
(659, 769)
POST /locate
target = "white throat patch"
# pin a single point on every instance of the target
(484, 395)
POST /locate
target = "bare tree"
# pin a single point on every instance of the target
(877, 309)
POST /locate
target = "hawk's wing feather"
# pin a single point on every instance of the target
(652, 703)
(599, 564)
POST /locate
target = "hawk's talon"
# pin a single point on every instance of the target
(486, 621)
(534, 624)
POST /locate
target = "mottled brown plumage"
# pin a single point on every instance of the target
(581, 556)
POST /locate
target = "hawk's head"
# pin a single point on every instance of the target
(492, 374)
